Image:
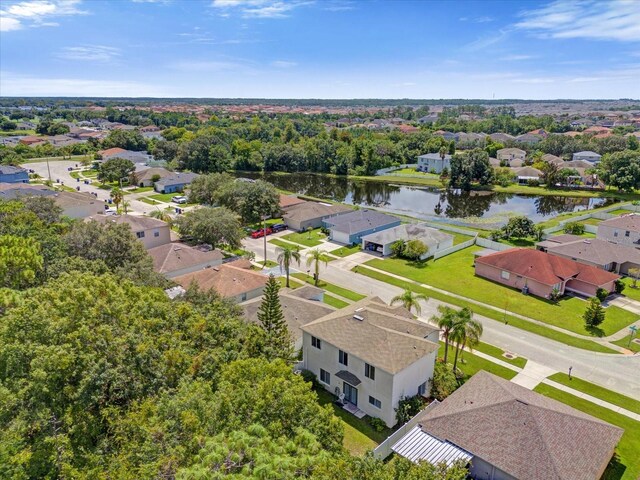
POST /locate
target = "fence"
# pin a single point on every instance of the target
(455, 248)
(383, 450)
(486, 243)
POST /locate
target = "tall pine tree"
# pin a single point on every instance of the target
(594, 314)
(278, 339)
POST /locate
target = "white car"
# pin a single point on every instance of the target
(110, 211)
(179, 199)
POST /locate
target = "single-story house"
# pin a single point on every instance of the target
(540, 273)
(176, 182)
(175, 259)
(434, 239)
(349, 228)
(587, 156)
(73, 204)
(599, 253)
(151, 232)
(511, 156)
(433, 162)
(233, 280)
(547, 157)
(501, 137)
(371, 356)
(508, 432)
(624, 230)
(529, 138)
(145, 177)
(310, 214)
(527, 174)
(300, 307)
(11, 174)
(287, 201)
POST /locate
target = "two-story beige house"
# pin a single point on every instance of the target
(371, 355)
(623, 230)
(151, 232)
(513, 157)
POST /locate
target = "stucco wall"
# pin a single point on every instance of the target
(609, 233)
(515, 281)
(482, 470)
(150, 240)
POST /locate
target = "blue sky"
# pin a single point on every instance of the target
(321, 48)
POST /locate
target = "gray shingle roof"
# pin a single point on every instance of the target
(379, 337)
(312, 210)
(359, 220)
(136, 222)
(630, 222)
(177, 256)
(523, 433)
(11, 170)
(410, 231)
(177, 179)
(594, 250)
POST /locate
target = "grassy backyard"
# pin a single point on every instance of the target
(489, 313)
(455, 273)
(329, 287)
(308, 239)
(597, 391)
(626, 463)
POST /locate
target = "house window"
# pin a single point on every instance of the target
(243, 297)
(343, 358)
(140, 234)
(375, 402)
(504, 274)
(315, 342)
(615, 234)
(626, 234)
(156, 233)
(422, 389)
(325, 377)
(369, 371)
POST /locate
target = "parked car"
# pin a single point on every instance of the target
(110, 211)
(278, 227)
(261, 233)
(179, 199)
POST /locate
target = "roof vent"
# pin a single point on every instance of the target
(360, 309)
(358, 317)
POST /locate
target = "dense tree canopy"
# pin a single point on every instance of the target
(215, 226)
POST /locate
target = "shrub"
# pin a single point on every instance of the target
(619, 286)
(397, 248)
(594, 314)
(408, 407)
(309, 376)
(496, 235)
(602, 294)
(533, 182)
(377, 424)
(444, 382)
(554, 296)
(574, 228)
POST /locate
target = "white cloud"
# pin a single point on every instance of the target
(598, 20)
(206, 65)
(95, 53)
(259, 8)
(481, 19)
(487, 41)
(26, 85)
(283, 64)
(516, 58)
(35, 13)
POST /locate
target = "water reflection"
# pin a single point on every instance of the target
(427, 203)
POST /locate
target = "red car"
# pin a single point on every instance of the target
(261, 233)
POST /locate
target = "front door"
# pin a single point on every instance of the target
(350, 394)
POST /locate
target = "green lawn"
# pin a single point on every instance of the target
(292, 283)
(597, 391)
(333, 301)
(472, 364)
(620, 211)
(626, 465)
(591, 221)
(139, 190)
(259, 225)
(490, 313)
(280, 243)
(330, 287)
(497, 353)
(149, 201)
(166, 198)
(359, 436)
(624, 342)
(308, 239)
(345, 251)
(269, 263)
(567, 216)
(455, 273)
(629, 291)
(458, 237)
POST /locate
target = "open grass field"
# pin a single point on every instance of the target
(330, 287)
(308, 239)
(455, 273)
(626, 465)
(489, 313)
(597, 391)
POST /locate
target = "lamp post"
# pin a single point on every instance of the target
(264, 236)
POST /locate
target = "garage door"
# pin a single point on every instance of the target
(340, 237)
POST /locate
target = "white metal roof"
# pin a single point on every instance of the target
(419, 445)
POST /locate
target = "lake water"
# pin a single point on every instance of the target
(479, 208)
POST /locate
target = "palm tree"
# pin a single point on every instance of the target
(125, 205)
(316, 256)
(160, 215)
(117, 196)
(443, 152)
(446, 321)
(466, 332)
(285, 256)
(410, 300)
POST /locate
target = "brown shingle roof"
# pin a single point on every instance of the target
(229, 279)
(630, 222)
(521, 432)
(111, 151)
(287, 201)
(545, 268)
(595, 251)
(312, 210)
(136, 222)
(384, 339)
(176, 256)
